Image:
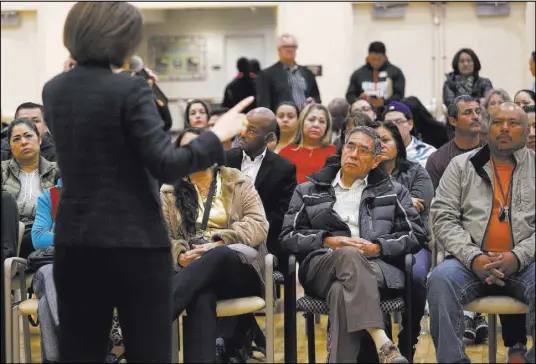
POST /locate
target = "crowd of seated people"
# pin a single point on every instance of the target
(349, 189)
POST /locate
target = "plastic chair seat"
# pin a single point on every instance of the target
(29, 307)
(497, 305)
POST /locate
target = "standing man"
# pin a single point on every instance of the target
(378, 81)
(483, 215)
(286, 80)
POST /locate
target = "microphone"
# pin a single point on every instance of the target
(137, 66)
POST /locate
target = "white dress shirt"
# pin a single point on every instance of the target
(251, 167)
(348, 200)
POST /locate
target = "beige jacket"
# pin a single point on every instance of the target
(247, 222)
(461, 210)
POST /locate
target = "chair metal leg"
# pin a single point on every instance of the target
(408, 303)
(27, 339)
(492, 338)
(175, 342)
(310, 328)
(16, 334)
(269, 309)
(291, 332)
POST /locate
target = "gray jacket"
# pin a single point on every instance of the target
(462, 207)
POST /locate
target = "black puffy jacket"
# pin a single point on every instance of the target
(386, 217)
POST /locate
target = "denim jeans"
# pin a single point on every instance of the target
(420, 273)
(450, 287)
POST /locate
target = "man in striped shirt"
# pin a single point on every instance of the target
(286, 80)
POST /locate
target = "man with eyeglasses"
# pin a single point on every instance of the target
(400, 115)
(483, 216)
(286, 80)
(350, 227)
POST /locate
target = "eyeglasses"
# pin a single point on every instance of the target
(360, 150)
(363, 109)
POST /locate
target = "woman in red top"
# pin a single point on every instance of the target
(312, 145)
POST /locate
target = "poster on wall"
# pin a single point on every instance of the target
(178, 57)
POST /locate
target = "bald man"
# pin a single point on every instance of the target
(274, 176)
(483, 216)
(339, 109)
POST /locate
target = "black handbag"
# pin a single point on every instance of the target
(40, 257)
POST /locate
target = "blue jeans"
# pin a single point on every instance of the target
(450, 287)
(420, 272)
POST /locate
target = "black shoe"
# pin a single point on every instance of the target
(470, 332)
(220, 351)
(481, 329)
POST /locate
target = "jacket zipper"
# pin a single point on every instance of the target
(511, 205)
(489, 218)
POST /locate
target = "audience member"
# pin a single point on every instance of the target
(525, 98)
(286, 80)
(218, 231)
(484, 256)
(35, 113)
(378, 81)
(10, 226)
(112, 151)
(196, 114)
(465, 78)
(312, 144)
(26, 175)
(363, 106)
(339, 110)
(531, 138)
(274, 176)
(287, 114)
(465, 116)
(400, 115)
(491, 104)
(357, 119)
(366, 243)
(425, 126)
(414, 177)
(241, 87)
(254, 66)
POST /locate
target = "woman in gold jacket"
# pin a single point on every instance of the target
(226, 260)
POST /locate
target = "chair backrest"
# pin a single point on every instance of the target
(19, 237)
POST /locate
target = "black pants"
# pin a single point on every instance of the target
(10, 226)
(90, 282)
(514, 329)
(218, 274)
(26, 245)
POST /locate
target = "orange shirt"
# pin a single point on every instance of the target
(307, 161)
(498, 237)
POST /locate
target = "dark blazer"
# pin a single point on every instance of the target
(273, 87)
(275, 184)
(111, 148)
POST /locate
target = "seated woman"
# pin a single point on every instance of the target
(196, 114)
(363, 106)
(287, 114)
(491, 104)
(415, 178)
(312, 145)
(219, 255)
(26, 175)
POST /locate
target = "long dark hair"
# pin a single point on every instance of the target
(528, 92)
(425, 126)
(186, 199)
(187, 111)
(402, 163)
(476, 62)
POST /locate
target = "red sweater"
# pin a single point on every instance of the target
(307, 161)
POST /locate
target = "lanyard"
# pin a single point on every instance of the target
(504, 211)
